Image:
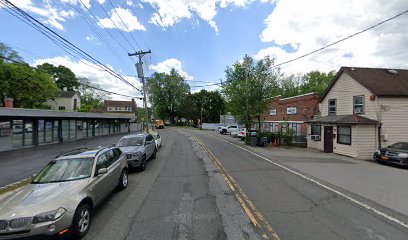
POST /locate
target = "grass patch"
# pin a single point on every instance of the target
(14, 186)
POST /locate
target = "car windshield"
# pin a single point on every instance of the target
(127, 142)
(65, 170)
(400, 145)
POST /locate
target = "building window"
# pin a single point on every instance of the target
(127, 109)
(272, 112)
(291, 110)
(61, 108)
(316, 131)
(332, 106)
(109, 109)
(295, 128)
(344, 135)
(358, 103)
(274, 127)
(117, 108)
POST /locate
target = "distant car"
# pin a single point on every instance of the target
(138, 149)
(159, 124)
(396, 153)
(157, 139)
(228, 129)
(61, 198)
(241, 133)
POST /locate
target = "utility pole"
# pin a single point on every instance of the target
(140, 74)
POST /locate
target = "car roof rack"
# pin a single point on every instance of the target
(72, 152)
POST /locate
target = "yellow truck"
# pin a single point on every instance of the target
(159, 123)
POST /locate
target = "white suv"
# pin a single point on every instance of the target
(228, 129)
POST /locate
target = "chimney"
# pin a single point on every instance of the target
(8, 103)
(64, 89)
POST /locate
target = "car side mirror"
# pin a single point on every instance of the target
(113, 144)
(102, 171)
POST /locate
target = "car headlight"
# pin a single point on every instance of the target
(403, 155)
(49, 216)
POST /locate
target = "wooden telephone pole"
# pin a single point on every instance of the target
(140, 74)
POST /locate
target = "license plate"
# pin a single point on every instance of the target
(384, 158)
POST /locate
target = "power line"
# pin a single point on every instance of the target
(104, 27)
(86, 85)
(98, 34)
(341, 40)
(37, 25)
(107, 14)
(124, 24)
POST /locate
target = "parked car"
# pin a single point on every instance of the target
(242, 133)
(396, 153)
(159, 124)
(235, 133)
(138, 149)
(228, 129)
(157, 139)
(61, 198)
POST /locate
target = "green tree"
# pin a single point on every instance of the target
(249, 86)
(91, 97)
(62, 76)
(29, 87)
(166, 93)
(8, 52)
(316, 81)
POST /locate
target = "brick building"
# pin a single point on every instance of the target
(291, 113)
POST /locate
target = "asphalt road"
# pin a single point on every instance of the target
(294, 207)
(202, 187)
(179, 196)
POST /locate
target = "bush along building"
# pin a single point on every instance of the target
(361, 110)
(289, 114)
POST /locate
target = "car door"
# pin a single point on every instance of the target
(114, 168)
(150, 145)
(100, 183)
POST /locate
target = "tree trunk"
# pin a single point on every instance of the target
(259, 122)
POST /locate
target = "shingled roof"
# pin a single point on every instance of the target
(344, 119)
(66, 94)
(380, 81)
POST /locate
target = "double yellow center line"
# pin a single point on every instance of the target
(257, 219)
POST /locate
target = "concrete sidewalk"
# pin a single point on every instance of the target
(384, 185)
(19, 164)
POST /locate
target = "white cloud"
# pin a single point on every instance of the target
(104, 80)
(116, 14)
(308, 25)
(101, 1)
(170, 12)
(167, 65)
(48, 13)
(89, 38)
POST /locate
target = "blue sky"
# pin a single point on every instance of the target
(201, 37)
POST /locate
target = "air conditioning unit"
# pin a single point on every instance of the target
(315, 137)
(358, 110)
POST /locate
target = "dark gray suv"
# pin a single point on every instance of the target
(138, 149)
(61, 197)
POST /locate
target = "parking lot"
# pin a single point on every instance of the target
(19, 164)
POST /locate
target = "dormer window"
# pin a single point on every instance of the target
(358, 104)
(332, 106)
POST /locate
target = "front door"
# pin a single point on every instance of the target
(328, 139)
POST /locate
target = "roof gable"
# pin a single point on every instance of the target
(379, 81)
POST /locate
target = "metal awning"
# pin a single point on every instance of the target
(38, 113)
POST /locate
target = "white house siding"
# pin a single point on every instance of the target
(318, 145)
(394, 119)
(365, 141)
(68, 103)
(343, 91)
(344, 149)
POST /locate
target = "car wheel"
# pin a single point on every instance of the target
(124, 180)
(143, 164)
(82, 221)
